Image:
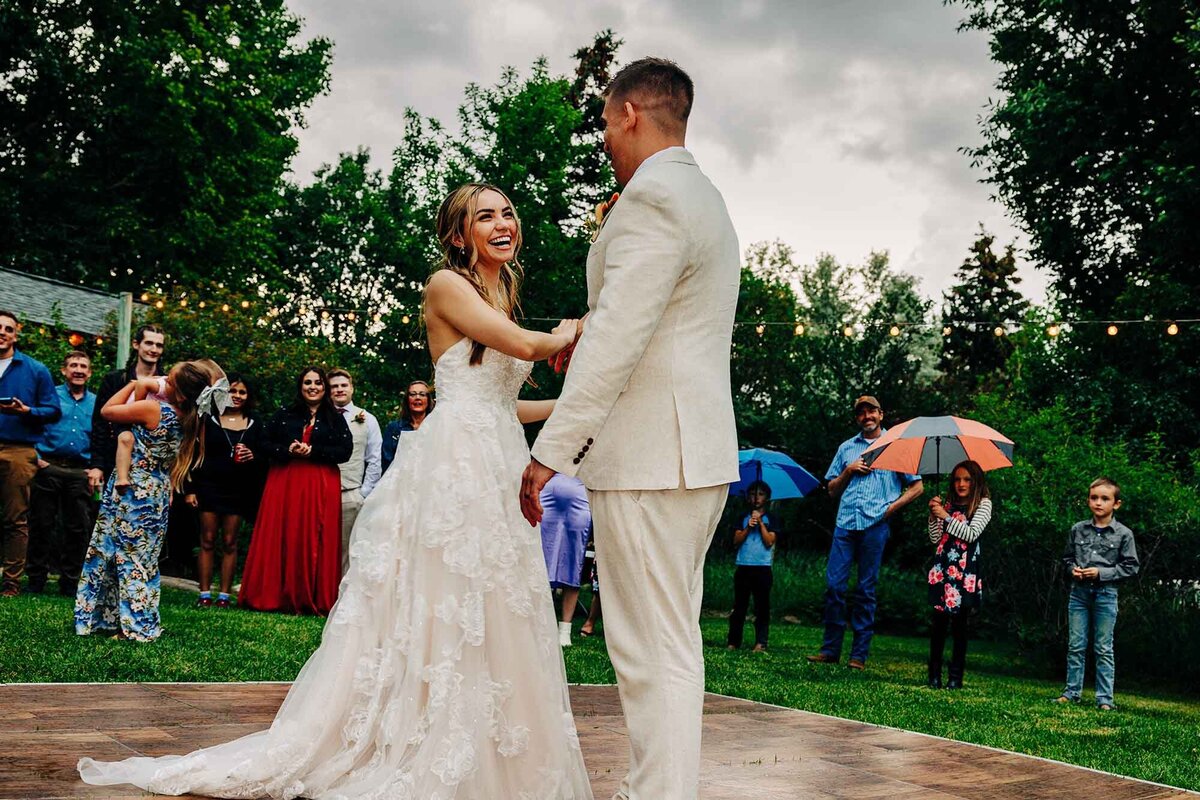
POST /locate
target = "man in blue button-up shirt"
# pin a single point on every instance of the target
(27, 404)
(61, 500)
(868, 498)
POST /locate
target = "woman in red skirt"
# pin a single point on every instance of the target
(295, 561)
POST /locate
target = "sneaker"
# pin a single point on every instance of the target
(203, 602)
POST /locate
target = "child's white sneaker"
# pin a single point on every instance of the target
(564, 634)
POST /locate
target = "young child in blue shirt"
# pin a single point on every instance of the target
(755, 541)
(1100, 553)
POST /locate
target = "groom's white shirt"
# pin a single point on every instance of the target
(647, 397)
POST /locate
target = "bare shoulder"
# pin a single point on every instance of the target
(443, 282)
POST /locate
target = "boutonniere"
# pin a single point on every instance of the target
(360, 417)
(596, 222)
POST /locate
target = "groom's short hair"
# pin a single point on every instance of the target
(659, 86)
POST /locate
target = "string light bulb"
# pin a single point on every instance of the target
(1053, 331)
(894, 330)
(99, 340)
(1172, 329)
(145, 296)
(225, 306)
(376, 317)
(848, 331)
(159, 304)
(350, 315)
(245, 304)
(760, 329)
(1112, 330)
(183, 303)
(405, 319)
(798, 330)
(945, 330)
(202, 304)
(324, 314)
(998, 330)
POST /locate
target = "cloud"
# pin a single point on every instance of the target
(835, 125)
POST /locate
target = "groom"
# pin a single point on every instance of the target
(645, 419)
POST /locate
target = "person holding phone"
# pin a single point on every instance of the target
(28, 403)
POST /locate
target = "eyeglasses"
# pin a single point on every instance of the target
(418, 394)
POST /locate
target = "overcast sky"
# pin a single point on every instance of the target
(832, 125)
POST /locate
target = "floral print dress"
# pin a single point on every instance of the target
(119, 587)
(954, 581)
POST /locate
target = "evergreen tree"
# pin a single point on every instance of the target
(984, 299)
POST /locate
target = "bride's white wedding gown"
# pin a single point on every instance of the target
(439, 674)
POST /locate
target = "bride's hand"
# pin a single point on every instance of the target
(574, 327)
(567, 327)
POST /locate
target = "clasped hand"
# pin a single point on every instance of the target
(937, 508)
(561, 360)
(298, 448)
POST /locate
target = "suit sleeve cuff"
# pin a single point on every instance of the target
(560, 464)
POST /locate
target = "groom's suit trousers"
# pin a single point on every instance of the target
(650, 548)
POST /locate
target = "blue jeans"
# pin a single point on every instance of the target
(1091, 609)
(864, 549)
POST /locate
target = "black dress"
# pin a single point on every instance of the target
(225, 486)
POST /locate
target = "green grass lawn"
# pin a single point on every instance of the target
(1153, 735)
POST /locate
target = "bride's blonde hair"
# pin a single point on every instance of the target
(454, 218)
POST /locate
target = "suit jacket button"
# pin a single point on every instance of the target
(591, 441)
(576, 461)
(585, 448)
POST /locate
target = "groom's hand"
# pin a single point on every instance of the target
(535, 477)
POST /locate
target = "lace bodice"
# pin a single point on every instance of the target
(490, 386)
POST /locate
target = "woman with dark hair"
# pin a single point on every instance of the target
(416, 404)
(227, 486)
(295, 559)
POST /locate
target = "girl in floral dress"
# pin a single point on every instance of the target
(119, 587)
(955, 586)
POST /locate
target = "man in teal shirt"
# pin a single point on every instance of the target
(61, 500)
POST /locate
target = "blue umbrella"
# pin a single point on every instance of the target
(786, 478)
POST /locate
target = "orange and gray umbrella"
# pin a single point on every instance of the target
(933, 445)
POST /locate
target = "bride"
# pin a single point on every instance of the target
(439, 673)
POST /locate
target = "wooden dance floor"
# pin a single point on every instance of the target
(751, 751)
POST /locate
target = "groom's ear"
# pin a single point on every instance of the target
(631, 116)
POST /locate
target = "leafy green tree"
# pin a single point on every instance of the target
(143, 142)
(984, 297)
(1094, 145)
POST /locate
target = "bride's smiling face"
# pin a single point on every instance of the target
(493, 229)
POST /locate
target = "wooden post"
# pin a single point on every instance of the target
(124, 328)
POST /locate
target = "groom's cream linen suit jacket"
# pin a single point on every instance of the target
(647, 397)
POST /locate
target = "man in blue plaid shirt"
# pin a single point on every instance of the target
(868, 498)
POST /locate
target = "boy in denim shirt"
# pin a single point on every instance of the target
(1099, 553)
